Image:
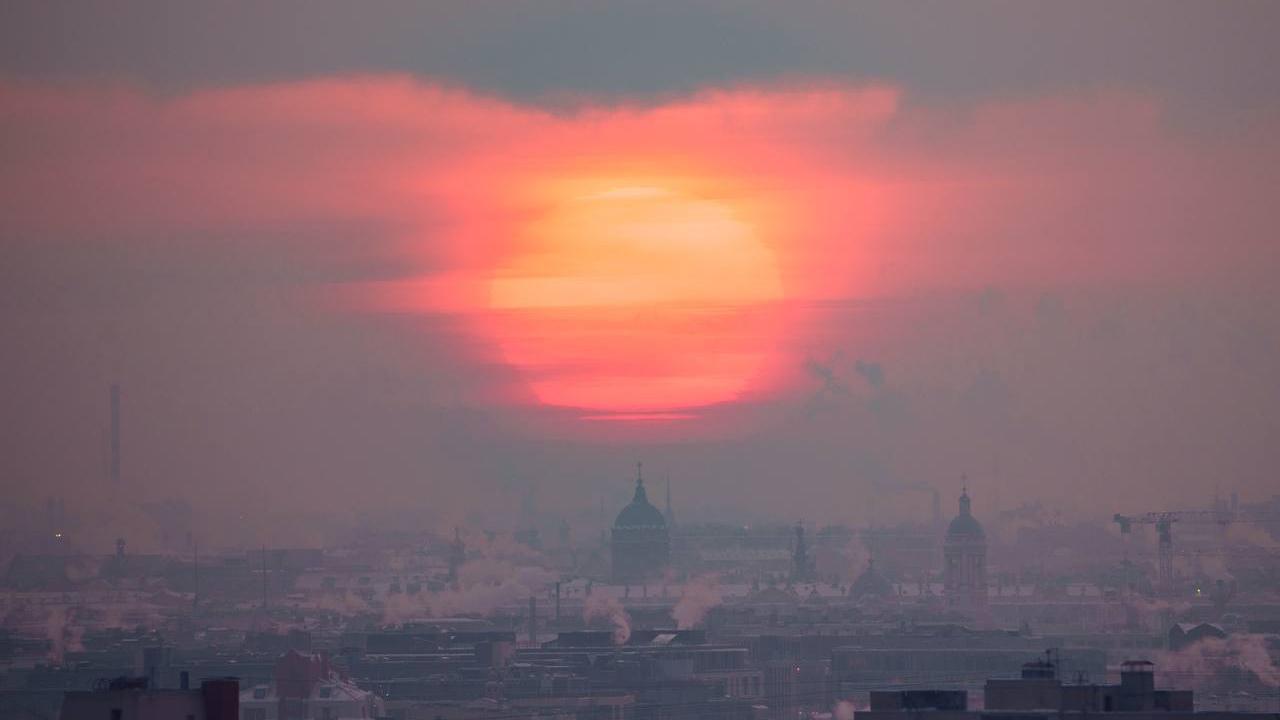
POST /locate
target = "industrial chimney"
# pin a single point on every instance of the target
(115, 436)
(533, 621)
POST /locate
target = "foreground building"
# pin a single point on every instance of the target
(1040, 688)
(306, 687)
(132, 699)
(1039, 694)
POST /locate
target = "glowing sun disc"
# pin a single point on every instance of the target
(636, 298)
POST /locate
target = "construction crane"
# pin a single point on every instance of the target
(1164, 531)
(1163, 522)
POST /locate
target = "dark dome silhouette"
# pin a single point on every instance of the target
(640, 513)
(965, 524)
(870, 584)
(964, 554)
(641, 542)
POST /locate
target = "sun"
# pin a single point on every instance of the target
(630, 297)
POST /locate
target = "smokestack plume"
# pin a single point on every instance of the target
(115, 435)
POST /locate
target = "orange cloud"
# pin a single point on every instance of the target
(635, 260)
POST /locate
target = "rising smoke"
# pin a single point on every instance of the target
(601, 607)
(1211, 662)
(700, 595)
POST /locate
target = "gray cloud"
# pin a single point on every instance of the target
(870, 371)
(1209, 55)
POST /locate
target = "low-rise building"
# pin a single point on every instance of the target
(306, 687)
(1039, 694)
(132, 699)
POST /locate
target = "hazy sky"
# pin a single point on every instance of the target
(312, 241)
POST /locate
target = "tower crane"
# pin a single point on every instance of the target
(1163, 522)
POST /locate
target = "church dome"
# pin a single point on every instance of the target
(870, 583)
(965, 525)
(640, 513)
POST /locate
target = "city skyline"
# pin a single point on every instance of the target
(639, 360)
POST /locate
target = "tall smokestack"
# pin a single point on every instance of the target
(195, 570)
(264, 577)
(533, 621)
(671, 515)
(115, 435)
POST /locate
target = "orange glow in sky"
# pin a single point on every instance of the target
(637, 264)
(633, 296)
(625, 262)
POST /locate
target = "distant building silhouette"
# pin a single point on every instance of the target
(801, 562)
(870, 584)
(641, 541)
(965, 559)
(457, 555)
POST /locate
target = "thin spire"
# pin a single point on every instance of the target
(640, 496)
(670, 515)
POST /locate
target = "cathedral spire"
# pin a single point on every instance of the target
(671, 516)
(640, 496)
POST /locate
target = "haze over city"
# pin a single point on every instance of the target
(334, 275)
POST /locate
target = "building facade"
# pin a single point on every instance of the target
(134, 699)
